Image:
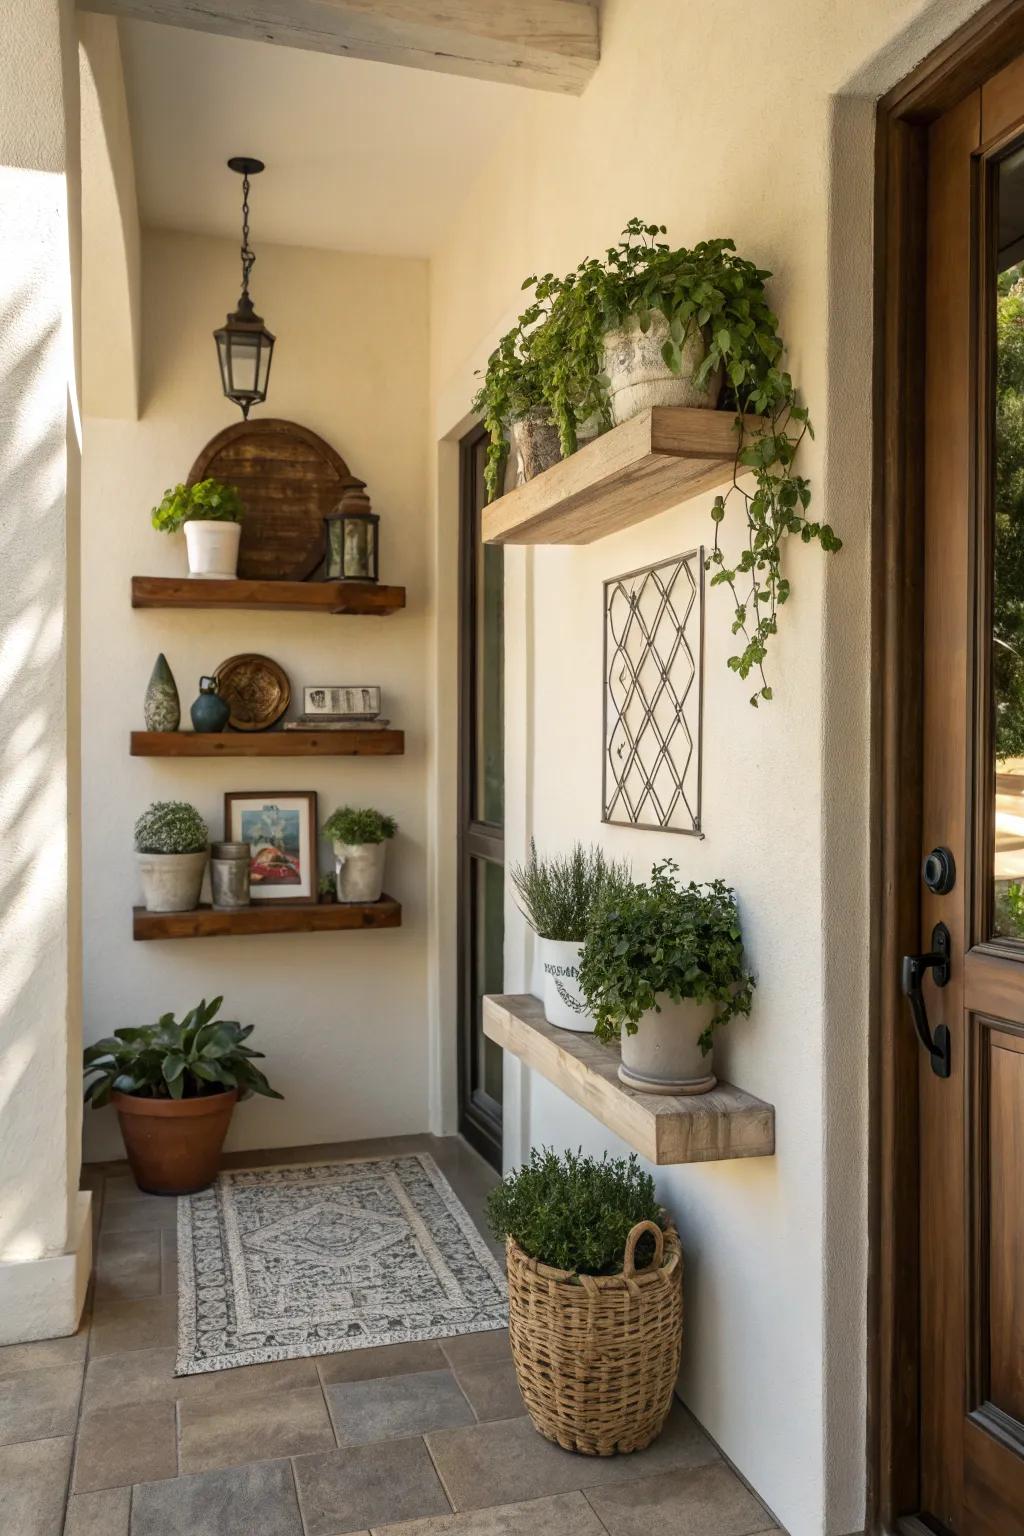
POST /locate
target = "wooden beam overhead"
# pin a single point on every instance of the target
(549, 45)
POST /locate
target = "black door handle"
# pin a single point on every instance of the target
(937, 1044)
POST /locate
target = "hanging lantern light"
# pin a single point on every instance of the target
(244, 345)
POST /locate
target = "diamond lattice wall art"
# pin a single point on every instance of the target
(653, 686)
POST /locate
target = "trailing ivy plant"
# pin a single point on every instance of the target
(549, 359)
(664, 940)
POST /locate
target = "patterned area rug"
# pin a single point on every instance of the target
(279, 1263)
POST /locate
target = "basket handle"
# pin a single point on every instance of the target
(636, 1233)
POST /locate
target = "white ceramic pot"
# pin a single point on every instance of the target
(212, 548)
(664, 1056)
(563, 1000)
(171, 882)
(535, 439)
(639, 377)
(359, 870)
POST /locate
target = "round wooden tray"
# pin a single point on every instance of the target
(288, 479)
(257, 690)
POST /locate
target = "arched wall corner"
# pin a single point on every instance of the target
(111, 244)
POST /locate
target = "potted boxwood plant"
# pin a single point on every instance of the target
(175, 1087)
(172, 845)
(211, 515)
(595, 1299)
(558, 897)
(360, 839)
(661, 968)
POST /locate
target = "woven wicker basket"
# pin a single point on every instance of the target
(597, 1355)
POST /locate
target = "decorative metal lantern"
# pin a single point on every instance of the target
(244, 345)
(351, 539)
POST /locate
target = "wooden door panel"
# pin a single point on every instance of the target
(1003, 1129)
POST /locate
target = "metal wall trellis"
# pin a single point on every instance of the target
(653, 695)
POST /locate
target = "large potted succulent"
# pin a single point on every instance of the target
(594, 1299)
(558, 896)
(175, 1087)
(211, 514)
(172, 847)
(360, 839)
(661, 969)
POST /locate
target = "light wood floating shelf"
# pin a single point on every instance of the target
(704, 1128)
(266, 917)
(267, 744)
(647, 465)
(284, 596)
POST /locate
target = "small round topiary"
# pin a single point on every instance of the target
(355, 827)
(171, 826)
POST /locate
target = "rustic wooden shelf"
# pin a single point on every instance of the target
(285, 596)
(647, 465)
(267, 743)
(266, 917)
(704, 1128)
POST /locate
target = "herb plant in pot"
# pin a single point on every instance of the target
(360, 839)
(210, 514)
(595, 1299)
(172, 845)
(662, 967)
(558, 897)
(175, 1087)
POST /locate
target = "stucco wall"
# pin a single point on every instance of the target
(41, 1225)
(717, 121)
(342, 1017)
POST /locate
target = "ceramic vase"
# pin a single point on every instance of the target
(535, 439)
(664, 1055)
(162, 707)
(359, 869)
(639, 378)
(209, 712)
(171, 882)
(563, 1000)
(212, 548)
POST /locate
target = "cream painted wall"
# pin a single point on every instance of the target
(44, 1225)
(343, 1018)
(715, 121)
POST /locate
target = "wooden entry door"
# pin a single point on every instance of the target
(972, 1083)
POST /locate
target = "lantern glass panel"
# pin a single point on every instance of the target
(244, 363)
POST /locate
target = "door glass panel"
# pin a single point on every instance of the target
(489, 787)
(488, 965)
(1008, 552)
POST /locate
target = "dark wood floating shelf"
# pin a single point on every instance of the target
(633, 472)
(704, 1128)
(266, 917)
(267, 744)
(365, 597)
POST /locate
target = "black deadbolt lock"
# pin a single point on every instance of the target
(939, 871)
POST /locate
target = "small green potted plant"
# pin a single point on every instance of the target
(172, 847)
(211, 514)
(661, 969)
(360, 839)
(558, 896)
(175, 1087)
(594, 1298)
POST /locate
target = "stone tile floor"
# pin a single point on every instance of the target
(98, 1438)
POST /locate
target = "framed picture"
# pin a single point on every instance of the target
(281, 829)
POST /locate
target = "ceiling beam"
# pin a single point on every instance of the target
(547, 45)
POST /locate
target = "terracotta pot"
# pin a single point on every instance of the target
(174, 1145)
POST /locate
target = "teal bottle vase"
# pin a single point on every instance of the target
(162, 707)
(209, 712)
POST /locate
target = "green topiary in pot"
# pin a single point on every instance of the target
(171, 826)
(575, 1212)
(360, 840)
(356, 827)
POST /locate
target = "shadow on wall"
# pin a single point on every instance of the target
(33, 795)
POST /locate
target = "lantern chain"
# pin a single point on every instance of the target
(247, 253)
